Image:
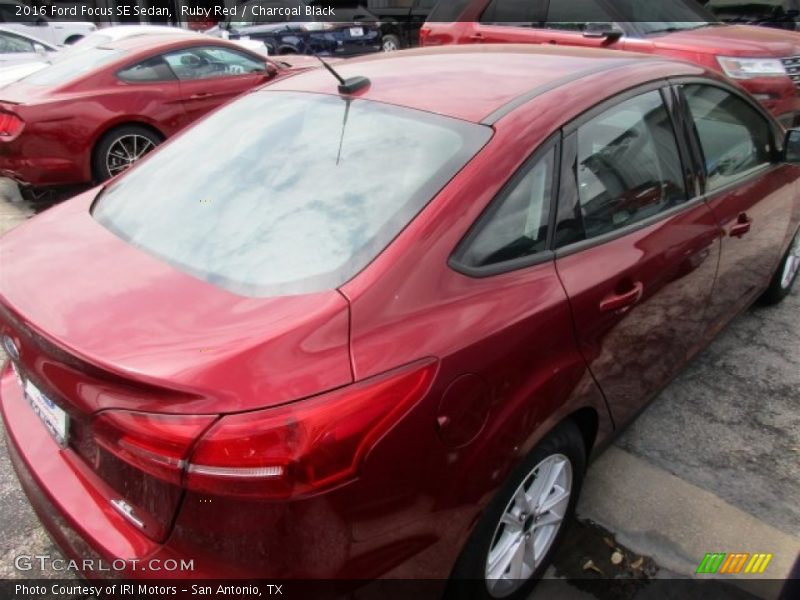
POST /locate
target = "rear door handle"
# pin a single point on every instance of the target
(199, 95)
(742, 226)
(614, 302)
(476, 37)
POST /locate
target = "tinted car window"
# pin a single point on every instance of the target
(73, 66)
(516, 225)
(513, 11)
(574, 14)
(10, 43)
(211, 63)
(152, 69)
(447, 11)
(283, 193)
(734, 137)
(628, 167)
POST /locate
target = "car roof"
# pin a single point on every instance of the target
(471, 82)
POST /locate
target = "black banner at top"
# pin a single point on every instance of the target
(572, 13)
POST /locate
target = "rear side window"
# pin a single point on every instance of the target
(152, 69)
(735, 138)
(515, 227)
(447, 11)
(285, 193)
(514, 11)
(627, 167)
(211, 63)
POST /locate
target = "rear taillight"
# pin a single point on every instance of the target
(300, 448)
(157, 444)
(10, 125)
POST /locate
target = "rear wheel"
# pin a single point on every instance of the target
(390, 43)
(120, 148)
(514, 541)
(786, 275)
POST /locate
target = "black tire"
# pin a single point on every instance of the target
(468, 580)
(100, 156)
(779, 287)
(390, 43)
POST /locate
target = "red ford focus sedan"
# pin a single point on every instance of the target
(91, 115)
(379, 334)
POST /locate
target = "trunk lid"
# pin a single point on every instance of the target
(100, 326)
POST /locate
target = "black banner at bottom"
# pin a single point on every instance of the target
(547, 589)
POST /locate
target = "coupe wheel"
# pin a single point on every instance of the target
(122, 147)
(514, 541)
(390, 43)
(786, 275)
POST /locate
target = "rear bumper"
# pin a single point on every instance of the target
(214, 538)
(39, 160)
(72, 504)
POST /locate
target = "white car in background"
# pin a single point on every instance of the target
(16, 48)
(21, 55)
(57, 33)
(42, 59)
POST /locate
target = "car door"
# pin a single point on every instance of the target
(748, 191)
(636, 248)
(212, 75)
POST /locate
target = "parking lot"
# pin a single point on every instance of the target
(712, 465)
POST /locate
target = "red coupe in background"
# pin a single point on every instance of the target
(91, 115)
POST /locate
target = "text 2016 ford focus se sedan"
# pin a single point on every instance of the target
(379, 334)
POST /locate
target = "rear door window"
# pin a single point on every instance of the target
(627, 168)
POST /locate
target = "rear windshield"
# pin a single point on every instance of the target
(70, 67)
(287, 193)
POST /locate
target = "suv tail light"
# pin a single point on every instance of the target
(157, 444)
(299, 448)
(10, 125)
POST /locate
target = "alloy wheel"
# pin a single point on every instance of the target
(792, 264)
(125, 151)
(390, 45)
(529, 525)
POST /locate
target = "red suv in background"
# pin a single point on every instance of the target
(766, 62)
